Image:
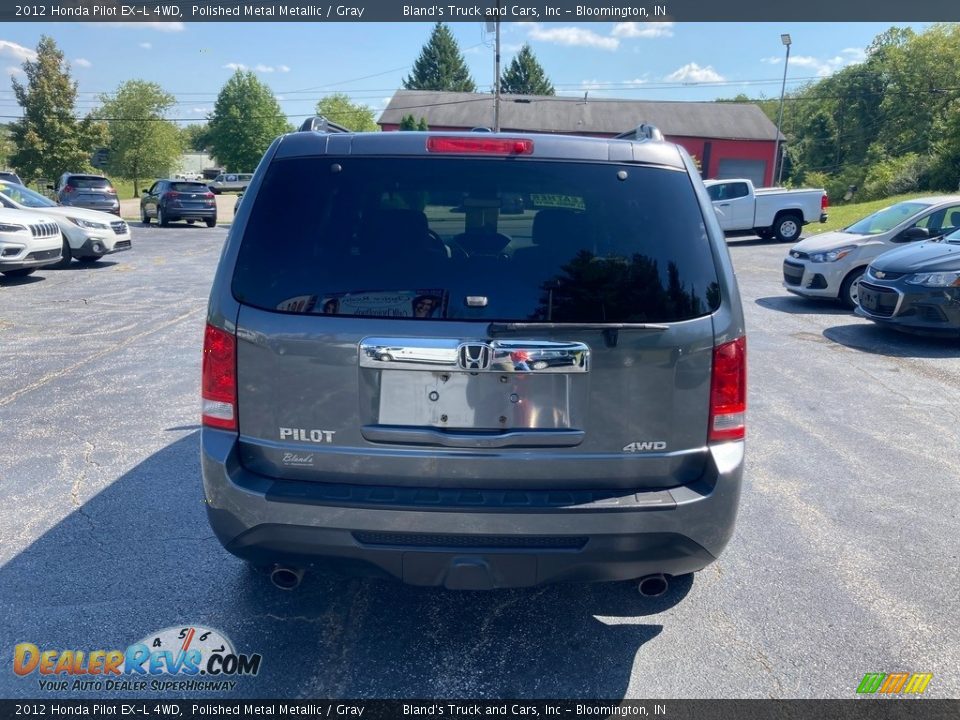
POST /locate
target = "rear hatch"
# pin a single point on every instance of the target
(470, 322)
(92, 192)
(191, 196)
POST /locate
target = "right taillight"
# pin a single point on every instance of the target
(219, 379)
(824, 202)
(728, 391)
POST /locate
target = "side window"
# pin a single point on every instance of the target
(153, 189)
(738, 190)
(231, 178)
(715, 192)
(943, 222)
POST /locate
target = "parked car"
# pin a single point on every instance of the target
(88, 191)
(172, 200)
(88, 235)
(10, 176)
(915, 288)
(27, 243)
(768, 212)
(831, 265)
(231, 182)
(368, 396)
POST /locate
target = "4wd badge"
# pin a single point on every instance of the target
(645, 446)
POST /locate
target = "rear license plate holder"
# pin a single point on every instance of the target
(480, 401)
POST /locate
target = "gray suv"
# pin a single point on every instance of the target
(401, 379)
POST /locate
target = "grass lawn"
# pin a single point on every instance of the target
(843, 215)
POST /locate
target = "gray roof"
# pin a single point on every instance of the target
(574, 115)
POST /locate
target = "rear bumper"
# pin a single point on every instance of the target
(470, 539)
(180, 213)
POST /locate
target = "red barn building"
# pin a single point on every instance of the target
(729, 139)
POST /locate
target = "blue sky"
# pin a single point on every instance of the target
(303, 61)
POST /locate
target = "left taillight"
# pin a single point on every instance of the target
(728, 392)
(219, 379)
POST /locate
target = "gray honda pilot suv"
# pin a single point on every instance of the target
(475, 360)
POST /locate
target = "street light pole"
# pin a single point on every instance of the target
(785, 39)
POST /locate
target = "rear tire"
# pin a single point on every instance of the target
(162, 219)
(211, 222)
(20, 272)
(144, 218)
(787, 227)
(849, 289)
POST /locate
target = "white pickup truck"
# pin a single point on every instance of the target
(767, 212)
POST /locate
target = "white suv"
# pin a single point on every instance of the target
(27, 243)
(88, 235)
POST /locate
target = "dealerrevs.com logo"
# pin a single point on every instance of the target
(182, 659)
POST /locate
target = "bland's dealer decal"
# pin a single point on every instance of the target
(177, 658)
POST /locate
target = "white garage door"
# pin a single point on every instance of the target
(751, 169)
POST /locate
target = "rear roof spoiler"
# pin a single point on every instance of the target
(318, 123)
(643, 131)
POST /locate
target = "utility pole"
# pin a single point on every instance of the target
(496, 74)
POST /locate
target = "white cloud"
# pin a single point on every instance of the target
(693, 73)
(14, 70)
(573, 36)
(259, 67)
(201, 110)
(821, 66)
(13, 51)
(82, 62)
(158, 26)
(855, 55)
(146, 45)
(643, 29)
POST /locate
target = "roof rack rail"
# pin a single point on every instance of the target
(319, 123)
(643, 131)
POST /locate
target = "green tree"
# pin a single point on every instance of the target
(353, 116)
(194, 136)
(245, 120)
(409, 122)
(440, 65)
(142, 143)
(6, 146)
(525, 75)
(48, 139)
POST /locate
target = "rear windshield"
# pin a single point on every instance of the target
(477, 239)
(79, 181)
(189, 187)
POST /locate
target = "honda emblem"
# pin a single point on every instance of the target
(474, 356)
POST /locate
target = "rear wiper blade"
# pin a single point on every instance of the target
(501, 327)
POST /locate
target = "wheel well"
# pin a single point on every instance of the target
(861, 268)
(790, 211)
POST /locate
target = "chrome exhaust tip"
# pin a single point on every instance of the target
(286, 578)
(653, 586)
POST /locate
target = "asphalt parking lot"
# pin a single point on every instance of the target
(845, 560)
